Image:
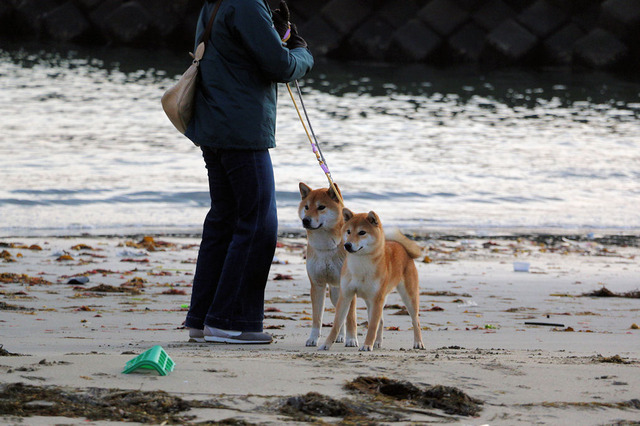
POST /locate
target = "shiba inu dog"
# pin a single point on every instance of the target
(374, 266)
(321, 214)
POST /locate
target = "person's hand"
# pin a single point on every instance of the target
(281, 22)
(295, 40)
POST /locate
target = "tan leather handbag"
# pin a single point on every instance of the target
(178, 101)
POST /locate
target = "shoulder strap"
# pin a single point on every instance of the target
(207, 32)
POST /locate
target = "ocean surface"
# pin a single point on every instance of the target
(85, 146)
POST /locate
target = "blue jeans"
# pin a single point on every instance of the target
(238, 242)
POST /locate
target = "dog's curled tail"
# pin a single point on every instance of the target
(413, 250)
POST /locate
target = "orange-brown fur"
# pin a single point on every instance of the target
(372, 269)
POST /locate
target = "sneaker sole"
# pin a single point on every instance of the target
(216, 339)
(197, 340)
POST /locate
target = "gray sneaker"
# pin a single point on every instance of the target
(216, 335)
(196, 335)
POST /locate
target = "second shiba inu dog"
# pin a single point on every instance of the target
(374, 266)
(321, 214)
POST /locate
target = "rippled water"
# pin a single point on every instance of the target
(85, 147)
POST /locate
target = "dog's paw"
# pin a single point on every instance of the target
(324, 347)
(377, 345)
(366, 348)
(314, 336)
(339, 339)
(351, 342)
(418, 345)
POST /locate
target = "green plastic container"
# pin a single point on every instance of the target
(153, 359)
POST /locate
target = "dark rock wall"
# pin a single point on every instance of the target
(584, 33)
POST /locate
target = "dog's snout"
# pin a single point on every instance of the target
(348, 247)
(306, 222)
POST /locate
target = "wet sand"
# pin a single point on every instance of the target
(529, 345)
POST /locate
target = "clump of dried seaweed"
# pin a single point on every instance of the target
(4, 352)
(11, 278)
(605, 292)
(8, 307)
(449, 399)
(105, 288)
(615, 359)
(18, 399)
(318, 405)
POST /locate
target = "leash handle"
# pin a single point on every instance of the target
(314, 146)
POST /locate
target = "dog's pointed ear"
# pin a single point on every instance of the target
(347, 214)
(373, 218)
(332, 194)
(304, 190)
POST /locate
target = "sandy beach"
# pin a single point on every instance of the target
(513, 329)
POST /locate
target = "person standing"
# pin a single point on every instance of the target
(250, 50)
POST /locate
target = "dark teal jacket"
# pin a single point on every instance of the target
(235, 105)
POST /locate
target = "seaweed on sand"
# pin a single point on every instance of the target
(105, 288)
(18, 399)
(7, 307)
(615, 359)
(605, 292)
(11, 278)
(449, 399)
(315, 404)
(4, 352)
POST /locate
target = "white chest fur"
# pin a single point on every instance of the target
(324, 259)
(362, 277)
